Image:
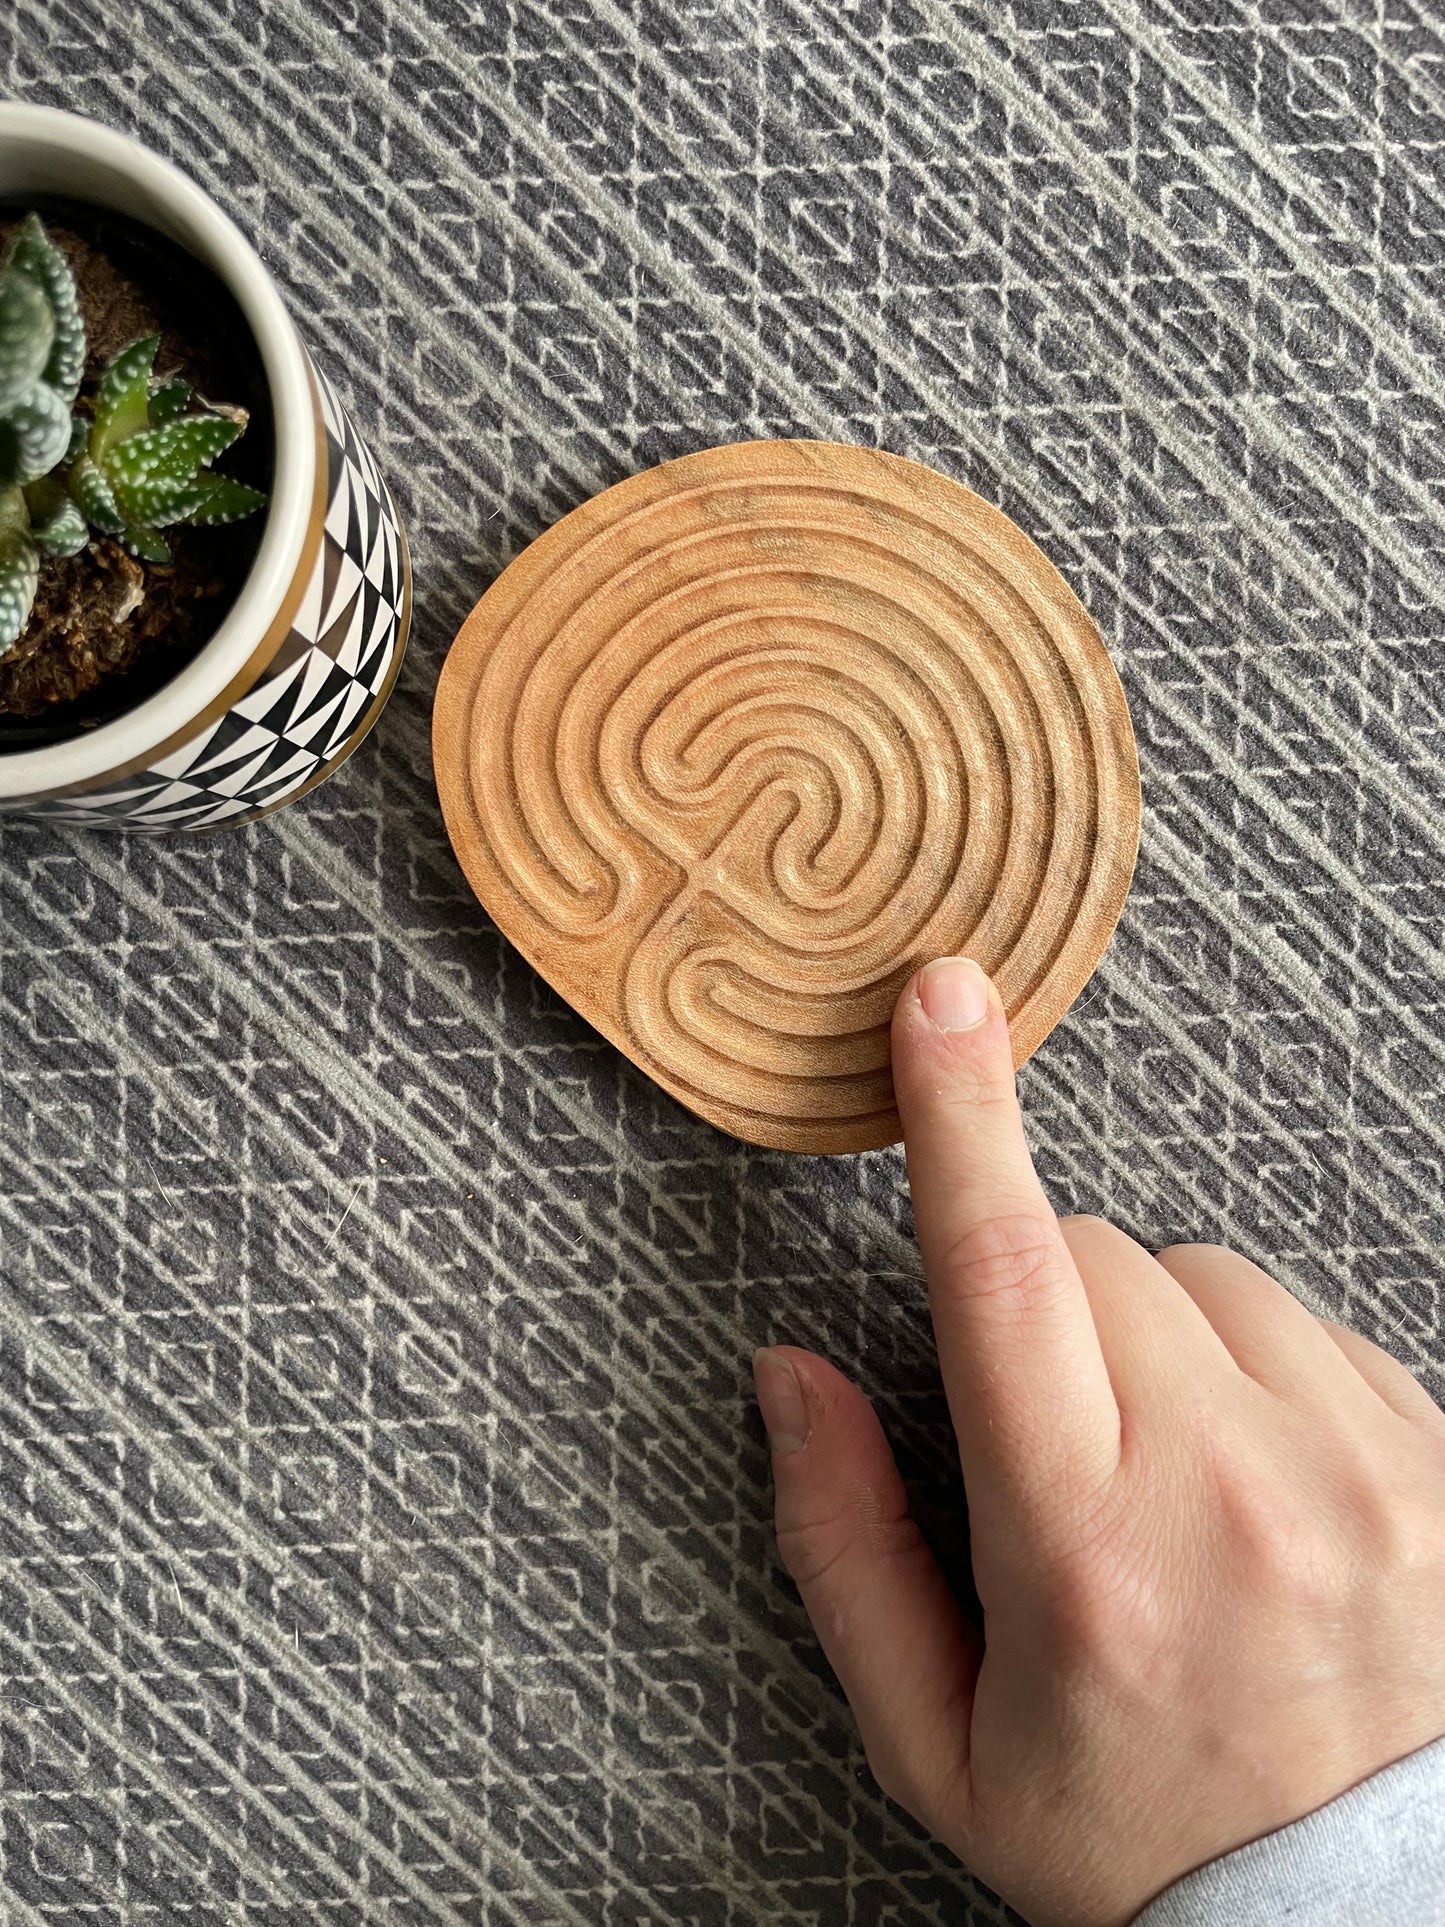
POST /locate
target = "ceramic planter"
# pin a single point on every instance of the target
(301, 665)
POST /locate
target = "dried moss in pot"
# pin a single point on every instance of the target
(130, 545)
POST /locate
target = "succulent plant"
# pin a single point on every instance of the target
(144, 463)
(139, 463)
(42, 358)
(42, 355)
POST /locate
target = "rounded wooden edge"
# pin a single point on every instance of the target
(452, 706)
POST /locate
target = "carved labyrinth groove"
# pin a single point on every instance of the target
(734, 747)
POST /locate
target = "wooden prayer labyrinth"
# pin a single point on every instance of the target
(738, 744)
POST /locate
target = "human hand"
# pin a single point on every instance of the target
(1208, 1529)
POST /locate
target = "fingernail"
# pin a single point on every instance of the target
(780, 1400)
(954, 992)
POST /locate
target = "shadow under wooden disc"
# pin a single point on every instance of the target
(738, 744)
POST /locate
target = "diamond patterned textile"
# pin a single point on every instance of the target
(384, 1522)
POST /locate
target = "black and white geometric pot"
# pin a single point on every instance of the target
(306, 657)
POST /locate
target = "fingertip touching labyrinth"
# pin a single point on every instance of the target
(738, 744)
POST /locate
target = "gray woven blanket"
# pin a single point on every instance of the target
(384, 1522)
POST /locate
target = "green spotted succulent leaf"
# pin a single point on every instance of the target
(27, 329)
(172, 453)
(146, 543)
(57, 526)
(222, 499)
(122, 401)
(19, 566)
(137, 462)
(94, 497)
(34, 254)
(145, 465)
(42, 358)
(34, 435)
(157, 504)
(167, 401)
(67, 534)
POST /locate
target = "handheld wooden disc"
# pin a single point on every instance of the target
(738, 744)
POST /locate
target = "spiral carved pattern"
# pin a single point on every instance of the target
(734, 747)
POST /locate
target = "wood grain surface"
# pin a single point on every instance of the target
(739, 743)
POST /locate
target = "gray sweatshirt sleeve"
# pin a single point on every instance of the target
(1373, 1858)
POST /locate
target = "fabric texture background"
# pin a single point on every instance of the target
(384, 1521)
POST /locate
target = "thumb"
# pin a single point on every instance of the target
(891, 1628)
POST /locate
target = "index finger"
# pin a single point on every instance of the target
(1036, 1418)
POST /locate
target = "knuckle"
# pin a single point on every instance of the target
(1398, 1524)
(1300, 1564)
(810, 1549)
(1007, 1258)
(1283, 1543)
(975, 1085)
(813, 1548)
